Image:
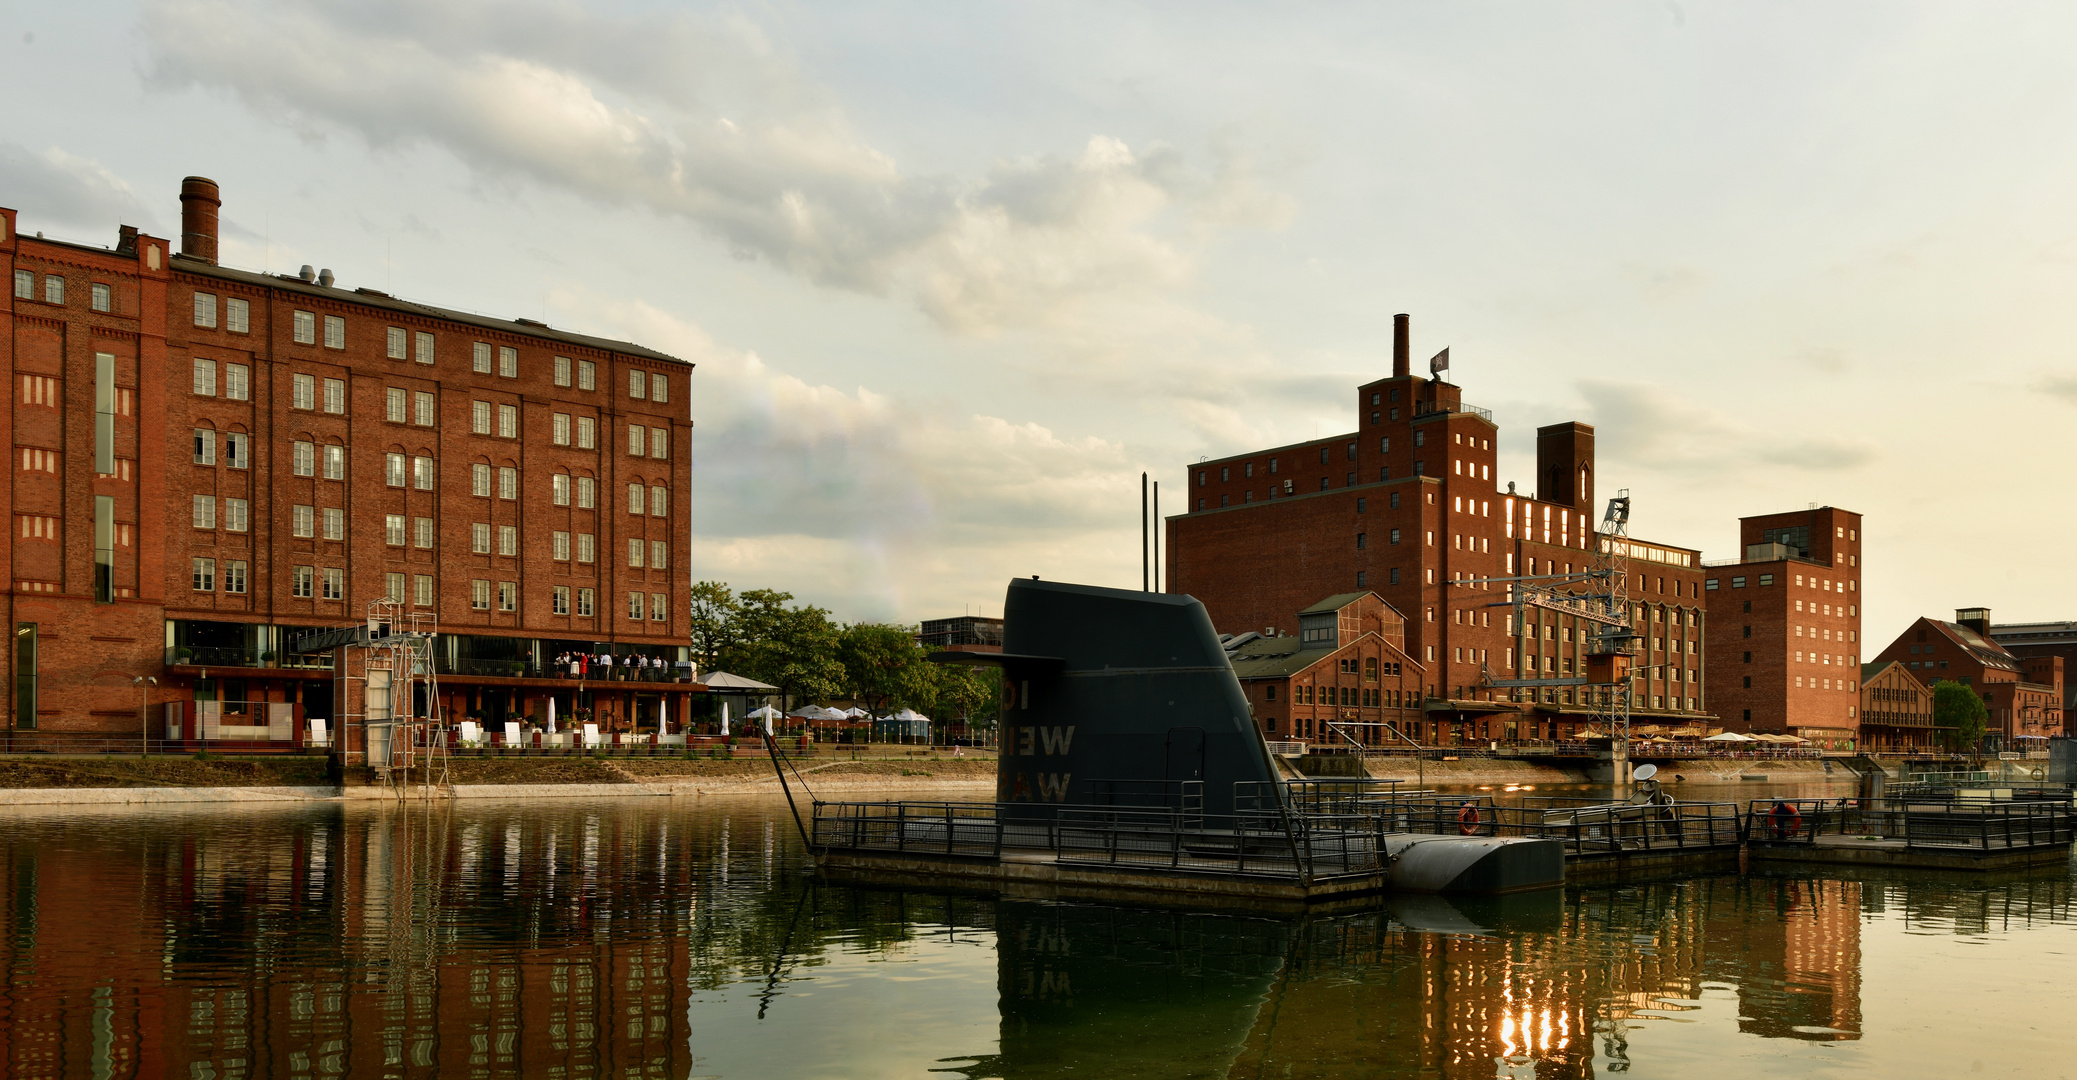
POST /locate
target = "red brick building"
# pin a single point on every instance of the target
(1408, 506)
(2030, 640)
(1346, 668)
(1896, 710)
(209, 460)
(2024, 695)
(1785, 627)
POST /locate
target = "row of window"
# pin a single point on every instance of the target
(329, 583)
(102, 295)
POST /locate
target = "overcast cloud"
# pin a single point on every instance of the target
(954, 275)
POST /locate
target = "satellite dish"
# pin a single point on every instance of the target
(1645, 772)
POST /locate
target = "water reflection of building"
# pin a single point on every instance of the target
(1802, 967)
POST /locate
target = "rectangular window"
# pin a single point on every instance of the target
(104, 414)
(422, 343)
(204, 572)
(234, 576)
(1766, 579)
(393, 587)
(237, 382)
(393, 472)
(305, 328)
(479, 480)
(25, 674)
(508, 540)
(393, 530)
(399, 343)
(53, 289)
(586, 548)
(236, 515)
(659, 387)
(205, 310)
(479, 594)
(479, 537)
(636, 493)
(335, 332)
(508, 421)
(659, 443)
(587, 493)
(559, 430)
(508, 482)
(659, 501)
(634, 605)
(303, 522)
(508, 596)
(335, 463)
(587, 433)
(559, 597)
(479, 417)
(335, 523)
(398, 405)
(422, 405)
(560, 547)
(335, 583)
(302, 392)
(335, 396)
(481, 359)
(587, 375)
(1738, 583)
(559, 489)
(25, 289)
(584, 603)
(422, 590)
(636, 549)
(657, 550)
(562, 371)
(637, 440)
(103, 298)
(104, 548)
(205, 377)
(238, 315)
(508, 362)
(301, 580)
(422, 532)
(638, 384)
(422, 473)
(656, 607)
(205, 511)
(238, 450)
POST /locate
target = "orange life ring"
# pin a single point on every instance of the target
(1786, 824)
(1467, 820)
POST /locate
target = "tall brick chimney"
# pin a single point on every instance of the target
(198, 208)
(1402, 348)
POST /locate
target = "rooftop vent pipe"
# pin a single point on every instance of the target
(307, 273)
(199, 204)
(324, 278)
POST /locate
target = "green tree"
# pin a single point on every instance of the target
(885, 668)
(1959, 714)
(712, 617)
(792, 648)
(969, 692)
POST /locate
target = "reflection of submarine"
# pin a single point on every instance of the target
(1117, 700)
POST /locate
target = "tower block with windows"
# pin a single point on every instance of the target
(1408, 506)
(210, 462)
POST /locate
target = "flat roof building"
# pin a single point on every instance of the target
(209, 461)
(1785, 627)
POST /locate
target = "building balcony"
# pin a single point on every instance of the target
(1430, 408)
(244, 656)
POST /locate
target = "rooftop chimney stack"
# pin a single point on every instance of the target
(1402, 348)
(199, 204)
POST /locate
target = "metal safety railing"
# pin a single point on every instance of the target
(1916, 820)
(933, 828)
(1583, 827)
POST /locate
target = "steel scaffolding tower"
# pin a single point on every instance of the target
(391, 656)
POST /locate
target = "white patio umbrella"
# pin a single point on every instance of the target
(765, 716)
(551, 715)
(1729, 736)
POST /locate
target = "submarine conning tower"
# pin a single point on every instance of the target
(1112, 695)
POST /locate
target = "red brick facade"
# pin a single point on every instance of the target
(1785, 627)
(1408, 506)
(2023, 695)
(283, 452)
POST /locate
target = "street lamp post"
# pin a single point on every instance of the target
(144, 683)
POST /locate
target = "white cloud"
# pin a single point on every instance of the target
(66, 189)
(701, 118)
(1641, 425)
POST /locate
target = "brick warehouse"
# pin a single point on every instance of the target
(1785, 627)
(1407, 507)
(208, 460)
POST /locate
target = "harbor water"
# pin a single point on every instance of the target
(686, 938)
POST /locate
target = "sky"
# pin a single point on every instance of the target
(954, 275)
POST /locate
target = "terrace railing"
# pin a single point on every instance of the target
(1919, 820)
